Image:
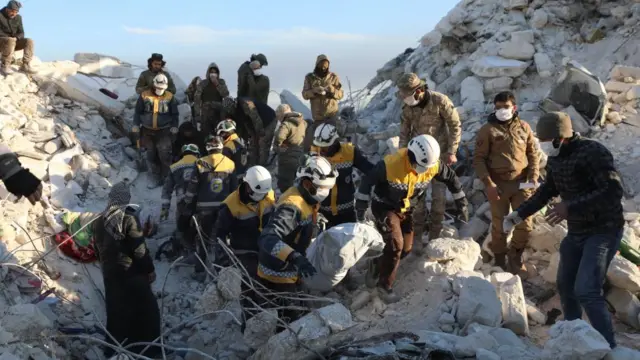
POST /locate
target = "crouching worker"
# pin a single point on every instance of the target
(582, 172)
(400, 181)
(127, 269)
(284, 241)
(288, 143)
(211, 181)
(242, 217)
(178, 179)
(234, 147)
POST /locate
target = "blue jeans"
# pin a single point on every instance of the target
(584, 260)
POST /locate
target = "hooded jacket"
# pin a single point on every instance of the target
(252, 86)
(206, 92)
(290, 230)
(323, 106)
(290, 134)
(11, 27)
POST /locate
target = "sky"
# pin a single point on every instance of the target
(358, 36)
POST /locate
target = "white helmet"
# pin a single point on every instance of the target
(426, 150)
(214, 143)
(319, 171)
(325, 135)
(161, 82)
(259, 180)
(225, 126)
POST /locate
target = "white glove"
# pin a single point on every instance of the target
(199, 127)
(510, 221)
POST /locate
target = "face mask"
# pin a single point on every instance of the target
(257, 72)
(213, 76)
(257, 197)
(420, 169)
(504, 114)
(551, 149)
(321, 194)
(411, 100)
(159, 92)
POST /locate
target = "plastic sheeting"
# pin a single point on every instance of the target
(338, 249)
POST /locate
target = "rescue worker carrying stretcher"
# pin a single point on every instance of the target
(211, 181)
(234, 147)
(178, 179)
(284, 241)
(400, 181)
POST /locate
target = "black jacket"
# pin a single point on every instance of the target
(585, 177)
(10, 27)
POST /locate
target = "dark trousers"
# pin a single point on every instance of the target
(397, 232)
(132, 312)
(206, 219)
(273, 301)
(584, 261)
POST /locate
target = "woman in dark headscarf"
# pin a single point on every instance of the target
(187, 134)
(127, 269)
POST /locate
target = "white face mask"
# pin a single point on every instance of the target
(420, 169)
(213, 76)
(411, 100)
(504, 114)
(321, 194)
(160, 92)
(257, 72)
(549, 149)
(257, 196)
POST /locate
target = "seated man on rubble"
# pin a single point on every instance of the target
(234, 147)
(12, 39)
(128, 271)
(284, 241)
(399, 181)
(155, 65)
(243, 215)
(582, 173)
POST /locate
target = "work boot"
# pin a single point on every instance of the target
(27, 69)
(500, 260)
(6, 69)
(515, 264)
(388, 296)
(373, 273)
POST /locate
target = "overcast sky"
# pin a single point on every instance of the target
(358, 36)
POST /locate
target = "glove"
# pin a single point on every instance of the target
(462, 206)
(199, 126)
(24, 183)
(510, 221)
(302, 264)
(174, 130)
(164, 212)
(361, 209)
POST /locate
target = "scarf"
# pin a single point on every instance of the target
(119, 197)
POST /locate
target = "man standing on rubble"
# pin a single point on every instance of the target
(583, 174)
(12, 39)
(157, 113)
(505, 159)
(207, 92)
(284, 241)
(211, 181)
(251, 117)
(127, 269)
(155, 65)
(400, 181)
(323, 89)
(18, 180)
(431, 113)
(251, 82)
(288, 143)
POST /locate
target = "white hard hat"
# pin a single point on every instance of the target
(426, 150)
(319, 171)
(227, 125)
(161, 82)
(325, 135)
(259, 179)
(214, 143)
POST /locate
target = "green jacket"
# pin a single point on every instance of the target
(251, 86)
(10, 27)
(145, 81)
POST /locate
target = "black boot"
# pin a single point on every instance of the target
(500, 260)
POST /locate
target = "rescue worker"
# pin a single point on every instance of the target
(127, 269)
(430, 113)
(338, 208)
(323, 90)
(157, 113)
(155, 66)
(251, 119)
(187, 134)
(177, 180)
(284, 241)
(207, 93)
(12, 39)
(18, 180)
(251, 82)
(234, 147)
(244, 214)
(211, 181)
(400, 181)
(288, 143)
(505, 158)
(583, 173)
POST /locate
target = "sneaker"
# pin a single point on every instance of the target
(26, 68)
(388, 296)
(373, 273)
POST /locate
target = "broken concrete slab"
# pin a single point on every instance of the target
(497, 66)
(514, 307)
(260, 328)
(624, 274)
(575, 340)
(619, 72)
(479, 303)
(230, 283)
(517, 50)
(626, 305)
